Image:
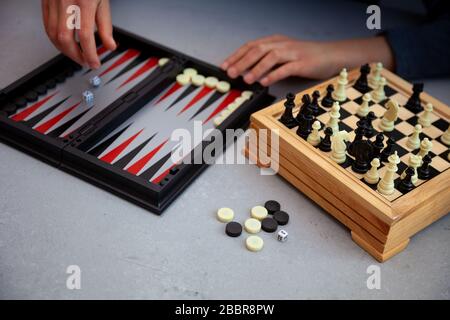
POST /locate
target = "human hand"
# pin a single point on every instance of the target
(93, 12)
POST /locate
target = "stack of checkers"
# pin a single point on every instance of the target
(259, 219)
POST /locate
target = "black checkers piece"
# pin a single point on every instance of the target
(41, 89)
(20, 102)
(31, 96)
(269, 225)
(50, 84)
(60, 78)
(233, 229)
(9, 109)
(272, 206)
(281, 217)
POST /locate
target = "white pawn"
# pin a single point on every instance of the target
(414, 162)
(340, 94)
(379, 94)
(425, 118)
(375, 76)
(314, 136)
(333, 123)
(389, 117)
(425, 147)
(363, 109)
(445, 138)
(413, 141)
(386, 184)
(338, 146)
(372, 175)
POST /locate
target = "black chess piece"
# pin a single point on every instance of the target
(378, 145)
(305, 123)
(413, 103)
(288, 118)
(306, 101)
(423, 172)
(314, 105)
(405, 185)
(361, 84)
(363, 152)
(359, 134)
(325, 143)
(370, 131)
(328, 100)
(388, 150)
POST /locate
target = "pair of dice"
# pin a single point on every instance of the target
(88, 96)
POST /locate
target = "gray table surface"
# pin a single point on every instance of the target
(49, 219)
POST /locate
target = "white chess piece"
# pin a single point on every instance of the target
(363, 109)
(314, 136)
(414, 161)
(372, 175)
(389, 117)
(338, 146)
(445, 138)
(425, 147)
(386, 184)
(375, 76)
(379, 94)
(333, 123)
(340, 94)
(425, 117)
(413, 141)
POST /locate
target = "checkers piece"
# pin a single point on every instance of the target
(281, 217)
(272, 206)
(225, 214)
(259, 212)
(252, 225)
(269, 225)
(254, 243)
(233, 229)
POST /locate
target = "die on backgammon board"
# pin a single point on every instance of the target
(112, 126)
(370, 149)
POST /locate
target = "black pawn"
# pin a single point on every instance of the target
(359, 134)
(378, 145)
(315, 103)
(406, 185)
(370, 131)
(325, 143)
(306, 102)
(363, 150)
(288, 118)
(413, 103)
(361, 84)
(423, 172)
(388, 150)
(328, 100)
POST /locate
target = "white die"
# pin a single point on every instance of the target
(282, 235)
(95, 81)
(88, 96)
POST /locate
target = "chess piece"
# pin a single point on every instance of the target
(413, 141)
(333, 123)
(288, 118)
(370, 131)
(338, 146)
(405, 185)
(314, 136)
(327, 101)
(306, 102)
(425, 117)
(425, 147)
(363, 151)
(386, 184)
(413, 103)
(389, 117)
(325, 144)
(305, 123)
(423, 172)
(414, 162)
(359, 134)
(445, 138)
(372, 176)
(315, 103)
(361, 84)
(375, 76)
(363, 109)
(340, 94)
(378, 94)
(378, 145)
(388, 150)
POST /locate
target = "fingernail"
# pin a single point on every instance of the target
(264, 81)
(249, 78)
(232, 72)
(224, 66)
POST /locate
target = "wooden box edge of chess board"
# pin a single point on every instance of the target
(392, 223)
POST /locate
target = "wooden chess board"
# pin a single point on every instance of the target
(382, 225)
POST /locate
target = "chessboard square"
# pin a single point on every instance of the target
(350, 106)
(432, 132)
(323, 118)
(395, 135)
(440, 164)
(351, 121)
(400, 150)
(351, 135)
(378, 110)
(358, 175)
(441, 124)
(402, 143)
(352, 93)
(433, 116)
(344, 113)
(404, 113)
(343, 126)
(445, 155)
(400, 99)
(438, 147)
(405, 128)
(396, 194)
(389, 91)
(321, 111)
(412, 121)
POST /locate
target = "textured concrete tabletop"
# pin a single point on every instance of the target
(50, 220)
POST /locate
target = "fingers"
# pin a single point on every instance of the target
(284, 71)
(248, 60)
(104, 25)
(86, 33)
(271, 59)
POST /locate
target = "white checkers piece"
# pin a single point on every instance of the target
(247, 94)
(217, 121)
(252, 225)
(254, 243)
(211, 82)
(259, 212)
(282, 235)
(190, 72)
(162, 61)
(183, 79)
(198, 80)
(225, 214)
(223, 86)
